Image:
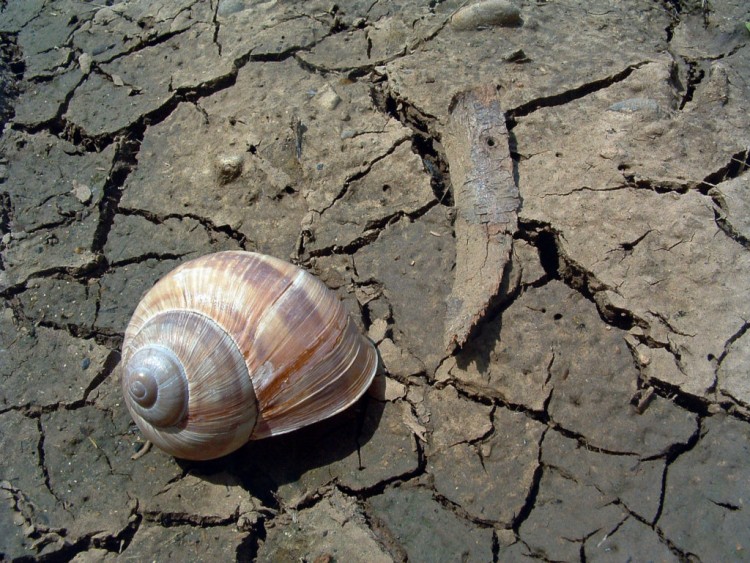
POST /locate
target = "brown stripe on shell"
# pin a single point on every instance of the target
(233, 288)
(320, 366)
(353, 362)
(304, 319)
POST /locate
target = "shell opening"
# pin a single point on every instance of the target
(156, 382)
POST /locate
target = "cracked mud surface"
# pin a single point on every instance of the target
(600, 412)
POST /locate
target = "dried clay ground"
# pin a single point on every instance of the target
(599, 412)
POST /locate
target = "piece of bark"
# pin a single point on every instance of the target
(487, 201)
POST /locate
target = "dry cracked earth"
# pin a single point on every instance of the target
(600, 411)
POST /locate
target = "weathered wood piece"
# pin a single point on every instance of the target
(487, 201)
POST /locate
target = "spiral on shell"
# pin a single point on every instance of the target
(237, 346)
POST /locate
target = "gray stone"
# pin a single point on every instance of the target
(486, 13)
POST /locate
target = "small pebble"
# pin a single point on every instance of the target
(81, 192)
(635, 104)
(228, 167)
(229, 7)
(517, 56)
(327, 98)
(486, 13)
(84, 62)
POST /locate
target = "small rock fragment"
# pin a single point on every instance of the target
(517, 56)
(229, 7)
(327, 98)
(84, 62)
(228, 167)
(377, 330)
(634, 104)
(394, 390)
(485, 14)
(82, 192)
(398, 361)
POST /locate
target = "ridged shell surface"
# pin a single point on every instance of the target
(266, 348)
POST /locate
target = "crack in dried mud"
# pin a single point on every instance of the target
(556, 263)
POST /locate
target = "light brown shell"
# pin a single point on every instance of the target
(266, 348)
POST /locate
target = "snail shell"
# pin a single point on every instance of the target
(237, 346)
